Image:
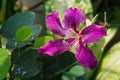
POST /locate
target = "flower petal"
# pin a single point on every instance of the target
(93, 33)
(73, 17)
(53, 47)
(85, 56)
(54, 24)
(71, 43)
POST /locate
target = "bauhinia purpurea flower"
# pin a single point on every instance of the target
(71, 37)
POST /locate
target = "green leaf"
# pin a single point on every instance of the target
(13, 43)
(4, 63)
(24, 33)
(68, 76)
(110, 67)
(18, 20)
(36, 31)
(27, 65)
(77, 70)
(98, 48)
(82, 77)
(16, 53)
(42, 41)
(109, 36)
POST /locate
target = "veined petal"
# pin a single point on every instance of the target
(73, 17)
(93, 33)
(53, 47)
(85, 56)
(53, 23)
(71, 43)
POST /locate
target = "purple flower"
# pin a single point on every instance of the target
(71, 37)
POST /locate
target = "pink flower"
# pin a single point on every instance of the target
(71, 37)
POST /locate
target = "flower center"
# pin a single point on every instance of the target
(75, 39)
(79, 36)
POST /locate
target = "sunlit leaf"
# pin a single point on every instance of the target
(4, 63)
(42, 41)
(24, 33)
(110, 67)
(110, 34)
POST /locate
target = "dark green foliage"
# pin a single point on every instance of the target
(75, 73)
(13, 43)
(14, 23)
(11, 26)
(56, 63)
(27, 64)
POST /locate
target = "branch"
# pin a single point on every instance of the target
(35, 6)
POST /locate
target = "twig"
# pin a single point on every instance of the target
(35, 6)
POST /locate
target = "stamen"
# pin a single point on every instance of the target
(67, 37)
(74, 44)
(65, 42)
(71, 45)
(72, 31)
(105, 20)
